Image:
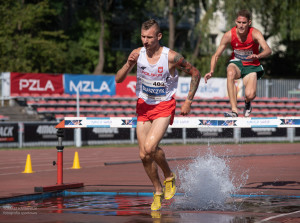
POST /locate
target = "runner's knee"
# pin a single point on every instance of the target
(150, 149)
(144, 157)
(231, 74)
(147, 151)
(250, 94)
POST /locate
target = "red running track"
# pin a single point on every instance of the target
(273, 169)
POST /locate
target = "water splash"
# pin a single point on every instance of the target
(207, 183)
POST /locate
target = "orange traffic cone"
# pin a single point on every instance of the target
(28, 167)
(76, 164)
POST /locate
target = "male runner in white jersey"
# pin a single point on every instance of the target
(157, 79)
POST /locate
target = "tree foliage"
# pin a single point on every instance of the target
(63, 36)
(27, 42)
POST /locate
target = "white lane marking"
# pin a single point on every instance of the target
(278, 216)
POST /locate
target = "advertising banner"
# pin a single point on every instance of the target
(209, 133)
(44, 132)
(127, 87)
(9, 132)
(97, 134)
(36, 83)
(297, 131)
(173, 134)
(90, 84)
(215, 87)
(263, 132)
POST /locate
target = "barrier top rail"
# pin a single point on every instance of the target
(183, 122)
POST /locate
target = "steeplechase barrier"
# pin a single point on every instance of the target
(183, 122)
(203, 124)
(179, 122)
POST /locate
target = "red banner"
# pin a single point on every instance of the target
(127, 87)
(31, 83)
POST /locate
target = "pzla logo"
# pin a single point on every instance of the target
(35, 85)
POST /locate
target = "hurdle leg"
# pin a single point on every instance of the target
(60, 185)
(60, 149)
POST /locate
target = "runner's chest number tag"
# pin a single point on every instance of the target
(153, 88)
(243, 54)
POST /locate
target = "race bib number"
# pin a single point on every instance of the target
(154, 89)
(243, 54)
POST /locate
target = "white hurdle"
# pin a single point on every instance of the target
(183, 122)
(192, 122)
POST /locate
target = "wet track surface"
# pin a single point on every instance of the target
(222, 183)
(251, 209)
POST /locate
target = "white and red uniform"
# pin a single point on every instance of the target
(154, 81)
(155, 88)
(241, 50)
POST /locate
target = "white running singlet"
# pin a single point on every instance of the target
(154, 81)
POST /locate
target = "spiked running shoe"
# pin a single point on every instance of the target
(156, 205)
(155, 214)
(170, 188)
(247, 109)
(231, 114)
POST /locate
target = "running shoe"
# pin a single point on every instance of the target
(156, 205)
(155, 214)
(231, 114)
(170, 188)
(247, 109)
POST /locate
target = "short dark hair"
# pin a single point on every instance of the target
(149, 23)
(244, 13)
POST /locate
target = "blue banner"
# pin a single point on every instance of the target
(90, 84)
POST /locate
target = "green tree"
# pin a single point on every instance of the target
(280, 19)
(104, 7)
(27, 42)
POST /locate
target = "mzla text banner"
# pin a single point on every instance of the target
(89, 84)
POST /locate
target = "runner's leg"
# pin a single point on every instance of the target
(233, 73)
(150, 166)
(149, 135)
(160, 159)
(159, 156)
(250, 83)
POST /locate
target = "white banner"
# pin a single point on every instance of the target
(215, 87)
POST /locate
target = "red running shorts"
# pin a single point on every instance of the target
(147, 112)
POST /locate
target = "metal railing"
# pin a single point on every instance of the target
(278, 88)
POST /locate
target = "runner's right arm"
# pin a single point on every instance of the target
(223, 44)
(127, 67)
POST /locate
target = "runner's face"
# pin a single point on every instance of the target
(242, 24)
(149, 38)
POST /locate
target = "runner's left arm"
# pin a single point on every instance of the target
(259, 38)
(188, 68)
